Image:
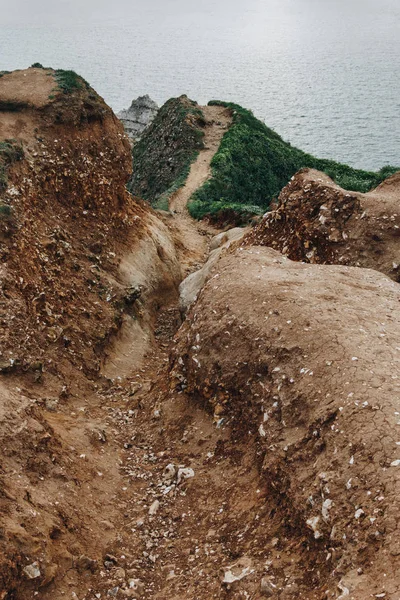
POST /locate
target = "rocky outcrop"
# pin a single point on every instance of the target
(138, 116)
(301, 362)
(316, 221)
(162, 157)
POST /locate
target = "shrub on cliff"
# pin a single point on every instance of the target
(162, 157)
(254, 163)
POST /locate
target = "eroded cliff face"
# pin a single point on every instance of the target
(72, 279)
(316, 221)
(70, 220)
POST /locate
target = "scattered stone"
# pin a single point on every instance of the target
(240, 570)
(32, 571)
(51, 404)
(154, 508)
(119, 574)
(267, 588)
(184, 473)
(169, 474)
(137, 586)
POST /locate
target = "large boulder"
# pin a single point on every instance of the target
(303, 361)
(316, 221)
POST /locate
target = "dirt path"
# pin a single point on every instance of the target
(191, 236)
(158, 516)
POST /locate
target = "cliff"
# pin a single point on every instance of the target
(248, 452)
(81, 265)
(138, 116)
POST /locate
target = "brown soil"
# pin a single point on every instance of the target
(300, 364)
(316, 221)
(257, 445)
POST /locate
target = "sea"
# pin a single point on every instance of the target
(324, 74)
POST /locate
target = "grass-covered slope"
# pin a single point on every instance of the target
(162, 157)
(254, 163)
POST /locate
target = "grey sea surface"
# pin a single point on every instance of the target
(323, 73)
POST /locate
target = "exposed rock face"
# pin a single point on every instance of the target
(316, 221)
(167, 148)
(303, 362)
(138, 116)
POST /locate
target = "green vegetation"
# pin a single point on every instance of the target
(2, 73)
(162, 203)
(37, 65)
(254, 163)
(69, 81)
(163, 156)
(10, 151)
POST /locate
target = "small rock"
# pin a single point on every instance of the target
(84, 563)
(51, 404)
(154, 507)
(267, 588)
(185, 473)
(32, 571)
(136, 586)
(119, 574)
(169, 474)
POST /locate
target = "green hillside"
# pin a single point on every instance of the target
(254, 163)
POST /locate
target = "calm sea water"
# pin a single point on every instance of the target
(322, 73)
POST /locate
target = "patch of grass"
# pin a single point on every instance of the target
(254, 163)
(69, 81)
(2, 73)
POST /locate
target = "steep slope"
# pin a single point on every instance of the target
(316, 221)
(73, 278)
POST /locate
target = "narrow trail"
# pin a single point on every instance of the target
(192, 237)
(176, 485)
(172, 474)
